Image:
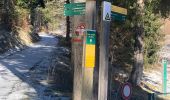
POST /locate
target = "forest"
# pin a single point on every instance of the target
(134, 44)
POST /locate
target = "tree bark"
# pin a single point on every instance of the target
(137, 70)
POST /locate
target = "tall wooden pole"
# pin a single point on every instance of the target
(87, 91)
(104, 51)
(77, 55)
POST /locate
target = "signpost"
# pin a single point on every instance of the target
(109, 11)
(104, 51)
(89, 43)
(83, 87)
(74, 9)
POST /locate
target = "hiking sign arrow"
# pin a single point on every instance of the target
(106, 11)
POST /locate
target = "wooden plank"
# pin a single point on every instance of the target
(77, 54)
(119, 10)
(87, 91)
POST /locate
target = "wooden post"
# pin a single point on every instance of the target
(104, 52)
(87, 88)
(77, 55)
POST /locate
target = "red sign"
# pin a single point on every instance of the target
(79, 31)
(126, 91)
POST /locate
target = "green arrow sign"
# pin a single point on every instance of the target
(80, 8)
(74, 5)
(72, 13)
(74, 9)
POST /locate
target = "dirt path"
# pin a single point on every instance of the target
(15, 71)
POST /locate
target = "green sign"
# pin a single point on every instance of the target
(91, 37)
(72, 13)
(74, 5)
(118, 17)
(165, 63)
(74, 9)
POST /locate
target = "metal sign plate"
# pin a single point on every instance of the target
(74, 9)
(90, 49)
(106, 11)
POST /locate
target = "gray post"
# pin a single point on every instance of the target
(104, 52)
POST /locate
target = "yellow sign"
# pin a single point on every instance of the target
(119, 10)
(90, 56)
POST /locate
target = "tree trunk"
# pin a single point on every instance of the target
(137, 70)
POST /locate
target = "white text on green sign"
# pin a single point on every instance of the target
(74, 9)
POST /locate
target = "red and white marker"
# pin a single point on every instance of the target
(79, 33)
(126, 91)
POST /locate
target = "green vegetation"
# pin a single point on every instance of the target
(123, 37)
(152, 35)
(53, 13)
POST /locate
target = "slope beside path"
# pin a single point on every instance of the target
(15, 77)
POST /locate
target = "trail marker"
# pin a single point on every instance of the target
(106, 11)
(90, 48)
(78, 34)
(74, 9)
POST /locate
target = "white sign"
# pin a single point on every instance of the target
(106, 11)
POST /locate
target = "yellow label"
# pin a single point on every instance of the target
(119, 10)
(90, 56)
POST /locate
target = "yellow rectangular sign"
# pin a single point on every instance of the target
(119, 10)
(90, 56)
